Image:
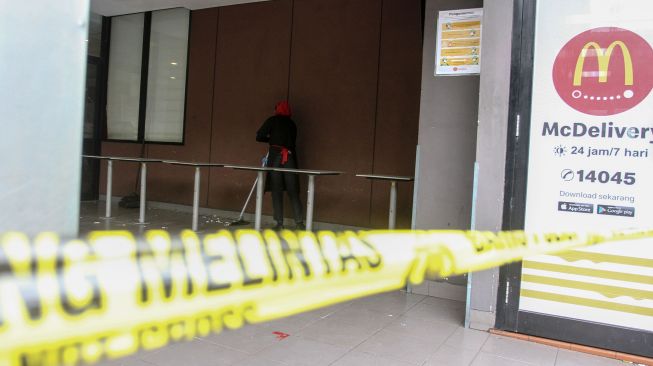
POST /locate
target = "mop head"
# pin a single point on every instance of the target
(238, 222)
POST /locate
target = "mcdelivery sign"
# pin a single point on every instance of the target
(590, 155)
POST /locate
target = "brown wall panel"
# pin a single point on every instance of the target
(125, 174)
(351, 69)
(333, 89)
(171, 183)
(251, 75)
(398, 107)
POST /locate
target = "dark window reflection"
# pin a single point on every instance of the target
(94, 35)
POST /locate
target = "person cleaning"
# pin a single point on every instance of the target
(280, 132)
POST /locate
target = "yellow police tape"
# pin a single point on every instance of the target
(76, 302)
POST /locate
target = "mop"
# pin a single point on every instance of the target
(240, 220)
(132, 200)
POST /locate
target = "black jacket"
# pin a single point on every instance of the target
(278, 131)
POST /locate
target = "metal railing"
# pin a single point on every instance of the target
(310, 201)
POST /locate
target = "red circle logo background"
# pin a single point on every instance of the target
(601, 87)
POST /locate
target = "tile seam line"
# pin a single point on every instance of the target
(411, 307)
(515, 360)
(522, 361)
(480, 349)
(223, 345)
(358, 345)
(440, 346)
(301, 330)
(454, 332)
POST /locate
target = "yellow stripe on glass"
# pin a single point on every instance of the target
(575, 255)
(605, 290)
(589, 272)
(592, 303)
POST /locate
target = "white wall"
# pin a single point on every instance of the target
(447, 140)
(462, 121)
(41, 100)
(447, 135)
(491, 146)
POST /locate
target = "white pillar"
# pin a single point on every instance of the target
(41, 147)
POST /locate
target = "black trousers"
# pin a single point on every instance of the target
(279, 182)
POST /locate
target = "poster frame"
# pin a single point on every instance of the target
(508, 316)
(438, 46)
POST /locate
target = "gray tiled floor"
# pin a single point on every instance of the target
(172, 218)
(389, 333)
(394, 329)
(92, 218)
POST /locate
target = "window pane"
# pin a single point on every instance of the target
(124, 83)
(90, 104)
(166, 84)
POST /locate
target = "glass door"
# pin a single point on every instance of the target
(580, 101)
(92, 109)
(90, 167)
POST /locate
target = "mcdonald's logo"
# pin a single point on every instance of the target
(604, 71)
(604, 62)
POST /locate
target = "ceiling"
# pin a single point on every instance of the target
(117, 7)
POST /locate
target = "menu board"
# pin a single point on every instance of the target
(458, 47)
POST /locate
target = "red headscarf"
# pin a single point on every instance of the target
(282, 109)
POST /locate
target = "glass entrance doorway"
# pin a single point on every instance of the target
(93, 109)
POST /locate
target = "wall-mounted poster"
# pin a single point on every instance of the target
(458, 47)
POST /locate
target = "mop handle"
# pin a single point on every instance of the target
(249, 196)
(242, 212)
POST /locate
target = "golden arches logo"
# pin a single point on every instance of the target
(604, 62)
(597, 86)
